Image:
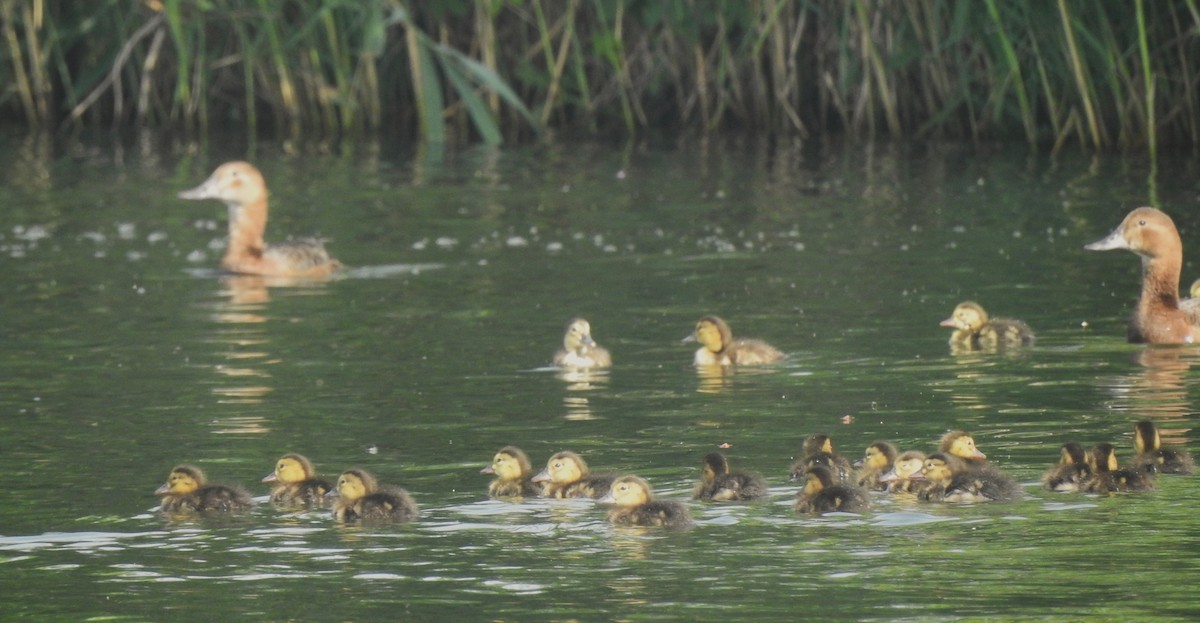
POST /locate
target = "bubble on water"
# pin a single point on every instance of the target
(420, 244)
(156, 237)
(554, 247)
(446, 242)
(516, 241)
(126, 231)
(197, 256)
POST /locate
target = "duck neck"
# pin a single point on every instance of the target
(247, 222)
(1160, 282)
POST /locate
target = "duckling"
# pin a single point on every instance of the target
(719, 348)
(905, 475)
(721, 484)
(821, 494)
(566, 476)
(973, 330)
(1109, 477)
(241, 187)
(954, 480)
(877, 461)
(298, 482)
(580, 350)
(513, 472)
(962, 445)
(1152, 457)
(359, 497)
(187, 492)
(1071, 471)
(636, 506)
(818, 450)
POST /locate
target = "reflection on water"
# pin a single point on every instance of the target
(579, 382)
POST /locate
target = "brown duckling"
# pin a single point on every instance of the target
(1072, 470)
(636, 506)
(973, 330)
(297, 482)
(1109, 477)
(822, 494)
(954, 480)
(566, 476)
(187, 492)
(580, 350)
(723, 485)
(905, 475)
(717, 346)
(1153, 457)
(513, 472)
(818, 450)
(877, 461)
(360, 498)
(962, 445)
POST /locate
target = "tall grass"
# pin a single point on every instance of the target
(1101, 73)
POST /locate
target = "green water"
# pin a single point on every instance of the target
(125, 354)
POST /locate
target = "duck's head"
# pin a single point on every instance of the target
(291, 468)
(712, 333)
(1194, 291)
(907, 466)
(1104, 458)
(1145, 437)
(817, 478)
(879, 455)
(1073, 454)
(941, 467)
(715, 464)
(962, 445)
(1146, 231)
(354, 484)
(578, 335)
(234, 183)
(510, 463)
(183, 480)
(968, 316)
(628, 491)
(563, 467)
(818, 442)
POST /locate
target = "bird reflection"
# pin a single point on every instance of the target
(1158, 391)
(713, 379)
(579, 381)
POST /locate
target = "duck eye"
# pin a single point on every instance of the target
(1142, 222)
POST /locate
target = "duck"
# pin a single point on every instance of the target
(298, 483)
(241, 187)
(566, 476)
(962, 445)
(636, 506)
(1073, 469)
(951, 479)
(818, 450)
(718, 348)
(359, 497)
(822, 494)
(513, 471)
(975, 331)
(1158, 317)
(1153, 457)
(1109, 477)
(905, 475)
(721, 484)
(580, 350)
(877, 461)
(187, 491)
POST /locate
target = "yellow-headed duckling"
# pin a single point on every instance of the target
(877, 461)
(951, 479)
(1158, 318)
(1073, 469)
(187, 492)
(821, 494)
(298, 483)
(513, 473)
(718, 348)
(974, 331)
(721, 484)
(962, 445)
(1109, 477)
(818, 450)
(360, 498)
(1153, 457)
(580, 350)
(566, 476)
(905, 475)
(636, 506)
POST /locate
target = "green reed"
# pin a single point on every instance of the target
(1101, 74)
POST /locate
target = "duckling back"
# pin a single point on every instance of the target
(661, 513)
(821, 494)
(721, 484)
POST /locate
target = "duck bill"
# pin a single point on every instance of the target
(487, 470)
(587, 341)
(332, 495)
(163, 490)
(607, 499)
(1115, 240)
(270, 477)
(979, 455)
(203, 191)
(542, 476)
(689, 339)
(949, 322)
(889, 477)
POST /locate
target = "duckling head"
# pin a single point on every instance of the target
(563, 468)
(354, 484)
(291, 468)
(907, 466)
(1104, 458)
(184, 479)
(578, 336)
(510, 463)
(712, 333)
(628, 491)
(1194, 291)
(234, 183)
(940, 467)
(962, 445)
(1145, 231)
(968, 316)
(816, 479)
(879, 455)
(818, 442)
(715, 464)
(1145, 437)
(1073, 454)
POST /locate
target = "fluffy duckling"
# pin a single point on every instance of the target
(636, 506)
(721, 484)
(1158, 318)
(580, 350)
(566, 476)
(241, 187)
(360, 498)
(905, 475)
(953, 480)
(297, 482)
(1072, 470)
(818, 450)
(822, 494)
(718, 348)
(962, 445)
(973, 330)
(1153, 457)
(187, 492)
(1109, 477)
(877, 461)
(513, 472)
